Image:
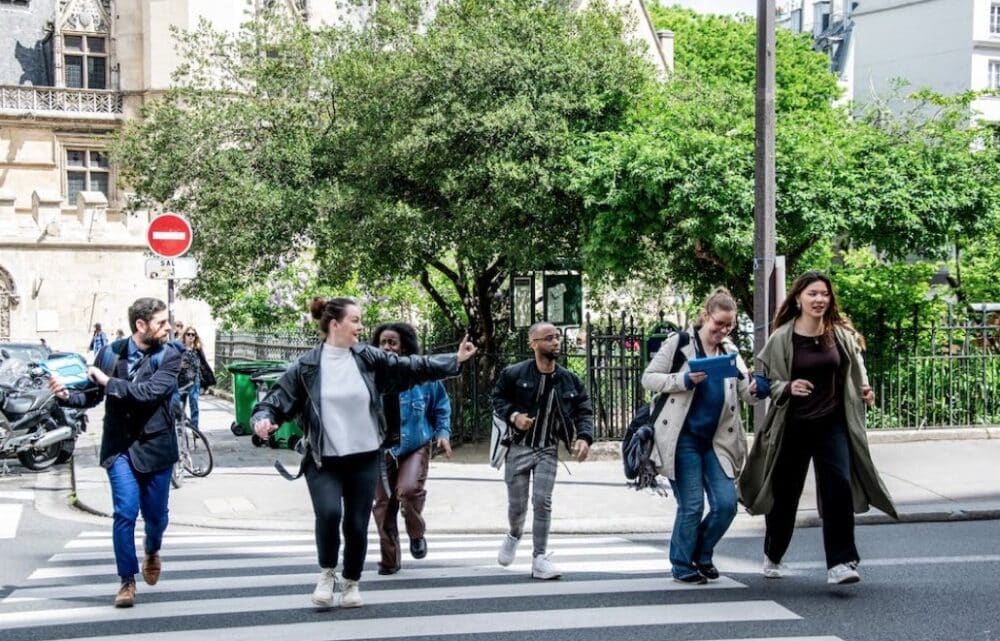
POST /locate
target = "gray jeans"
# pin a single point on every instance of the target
(523, 462)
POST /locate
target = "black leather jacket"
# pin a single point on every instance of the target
(297, 392)
(515, 391)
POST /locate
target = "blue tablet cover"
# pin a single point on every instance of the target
(715, 366)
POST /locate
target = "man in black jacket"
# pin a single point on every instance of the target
(138, 375)
(543, 403)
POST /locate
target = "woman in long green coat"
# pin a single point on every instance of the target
(819, 389)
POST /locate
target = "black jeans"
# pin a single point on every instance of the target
(825, 441)
(343, 488)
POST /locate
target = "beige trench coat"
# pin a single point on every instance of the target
(730, 441)
(867, 489)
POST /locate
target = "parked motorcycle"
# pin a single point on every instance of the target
(34, 428)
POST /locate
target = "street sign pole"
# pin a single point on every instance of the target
(169, 236)
(764, 187)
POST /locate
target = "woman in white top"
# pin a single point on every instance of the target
(335, 390)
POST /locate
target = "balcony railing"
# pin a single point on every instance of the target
(59, 99)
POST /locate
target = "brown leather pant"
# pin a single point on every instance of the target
(406, 480)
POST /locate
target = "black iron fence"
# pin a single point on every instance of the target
(945, 375)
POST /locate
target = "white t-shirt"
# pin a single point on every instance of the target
(349, 425)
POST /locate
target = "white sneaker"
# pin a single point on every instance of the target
(543, 568)
(842, 574)
(325, 595)
(507, 550)
(351, 595)
(773, 570)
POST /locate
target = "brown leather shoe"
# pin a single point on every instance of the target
(151, 566)
(126, 595)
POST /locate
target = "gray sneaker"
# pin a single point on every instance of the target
(507, 550)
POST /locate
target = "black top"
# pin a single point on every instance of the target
(547, 424)
(392, 419)
(816, 359)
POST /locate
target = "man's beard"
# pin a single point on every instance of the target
(150, 339)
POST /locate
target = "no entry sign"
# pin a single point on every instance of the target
(169, 235)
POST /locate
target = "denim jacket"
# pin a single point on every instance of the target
(424, 414)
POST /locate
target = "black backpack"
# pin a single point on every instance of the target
(637, 442)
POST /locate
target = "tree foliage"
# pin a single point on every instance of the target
(390, 151)
(672, 192)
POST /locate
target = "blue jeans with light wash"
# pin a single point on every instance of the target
(134, 492)
(697, 474)
(191, 398)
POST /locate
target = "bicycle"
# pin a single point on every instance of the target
(192, 446)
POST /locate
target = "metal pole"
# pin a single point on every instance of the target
(170, 307)
(763, 243)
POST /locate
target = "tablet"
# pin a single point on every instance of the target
(715, 366)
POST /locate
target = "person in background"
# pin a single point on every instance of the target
(98, 340)
(415, 418)
(178, 329)
(192, 362)
(819, 389)
(700, 441)
(119, 334)
(336, 390)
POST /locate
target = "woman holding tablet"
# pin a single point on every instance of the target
(820, 388)
(700, 442)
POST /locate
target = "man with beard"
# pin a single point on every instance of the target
(543, 403)
(138, 375)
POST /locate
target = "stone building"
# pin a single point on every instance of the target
(71, 72)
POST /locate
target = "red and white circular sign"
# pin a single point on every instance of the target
(169, 235)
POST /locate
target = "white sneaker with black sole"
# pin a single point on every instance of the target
(543, 568)
(772, 570)
(842, 574)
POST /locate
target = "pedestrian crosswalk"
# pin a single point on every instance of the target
(10, 513)
(255, 587)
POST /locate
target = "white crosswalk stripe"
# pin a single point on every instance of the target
(256, 586)
(10, 513)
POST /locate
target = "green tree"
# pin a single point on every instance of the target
(671, 193)
(389, 150)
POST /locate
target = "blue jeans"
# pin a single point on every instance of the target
(192, 396)
(698, 473)
(133, 492)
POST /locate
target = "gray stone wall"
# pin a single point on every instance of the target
(25, 51)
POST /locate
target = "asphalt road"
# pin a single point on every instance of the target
(920, 582)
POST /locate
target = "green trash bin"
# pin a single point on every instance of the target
(245, 390)
(288, 433)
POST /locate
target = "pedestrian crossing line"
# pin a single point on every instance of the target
(436, 546)
(337, 629)
(785, 639)
(306, 580)
(10, 517)
(17, 495)
(613, 551)
(492, 541)
(383, 596)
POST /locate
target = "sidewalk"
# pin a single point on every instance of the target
(953, 476)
